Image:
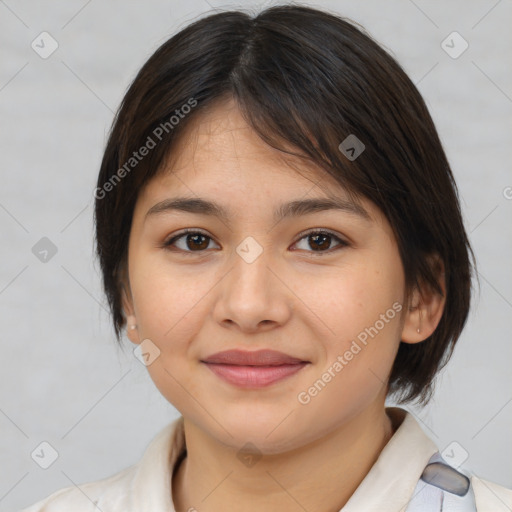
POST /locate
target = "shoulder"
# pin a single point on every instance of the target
(110, 492)
(486, 496)
(491, 497)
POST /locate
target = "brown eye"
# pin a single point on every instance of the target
(320, 241)
(190, 241)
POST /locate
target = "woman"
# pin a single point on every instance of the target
(279, 232)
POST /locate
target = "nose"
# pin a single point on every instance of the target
(253, 296)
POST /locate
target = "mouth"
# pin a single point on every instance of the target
(254, 369)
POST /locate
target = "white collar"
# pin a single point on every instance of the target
(391, 481)
(387, 487)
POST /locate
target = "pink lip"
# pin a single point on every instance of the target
(254, 369)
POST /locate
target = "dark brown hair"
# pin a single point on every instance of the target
(306, 79)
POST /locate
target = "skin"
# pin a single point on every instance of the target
(305, 301)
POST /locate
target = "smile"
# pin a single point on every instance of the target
(253, 369)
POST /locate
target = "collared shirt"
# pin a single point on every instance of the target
(391, 485)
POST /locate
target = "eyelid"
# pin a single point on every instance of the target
(326, 231)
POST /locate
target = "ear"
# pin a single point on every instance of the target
(425, 307)
(132, 330)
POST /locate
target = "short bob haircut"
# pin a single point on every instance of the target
(306, 79)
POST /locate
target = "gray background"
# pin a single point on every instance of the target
(64, 381)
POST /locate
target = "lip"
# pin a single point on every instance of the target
(255, 369)
(252, 358)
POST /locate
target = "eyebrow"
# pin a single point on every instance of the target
(296, 208)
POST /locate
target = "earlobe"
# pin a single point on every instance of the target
(425, 309)
(132, 330)
(131, 320)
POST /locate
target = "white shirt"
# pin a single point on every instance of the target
(391, 485)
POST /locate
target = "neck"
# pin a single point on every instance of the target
(320, 476)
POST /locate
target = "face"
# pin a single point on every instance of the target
(321, 286)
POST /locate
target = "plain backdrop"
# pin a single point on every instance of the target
(63, 379)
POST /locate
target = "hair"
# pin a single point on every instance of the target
(306, 79)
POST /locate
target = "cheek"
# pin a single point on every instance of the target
(171, 303)
(363, 318)
(360, 310)
(168, 299)
(355, 298)
(169, 307)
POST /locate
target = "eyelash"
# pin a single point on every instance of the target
(342, 243)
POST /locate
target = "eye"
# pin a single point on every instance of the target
(193, 241)
(320, 241)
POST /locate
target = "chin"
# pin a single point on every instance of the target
(268, 432)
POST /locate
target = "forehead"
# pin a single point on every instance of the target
(220, 138)
(220, 155)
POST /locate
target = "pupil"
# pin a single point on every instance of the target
(317, 237)
(196, 243)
